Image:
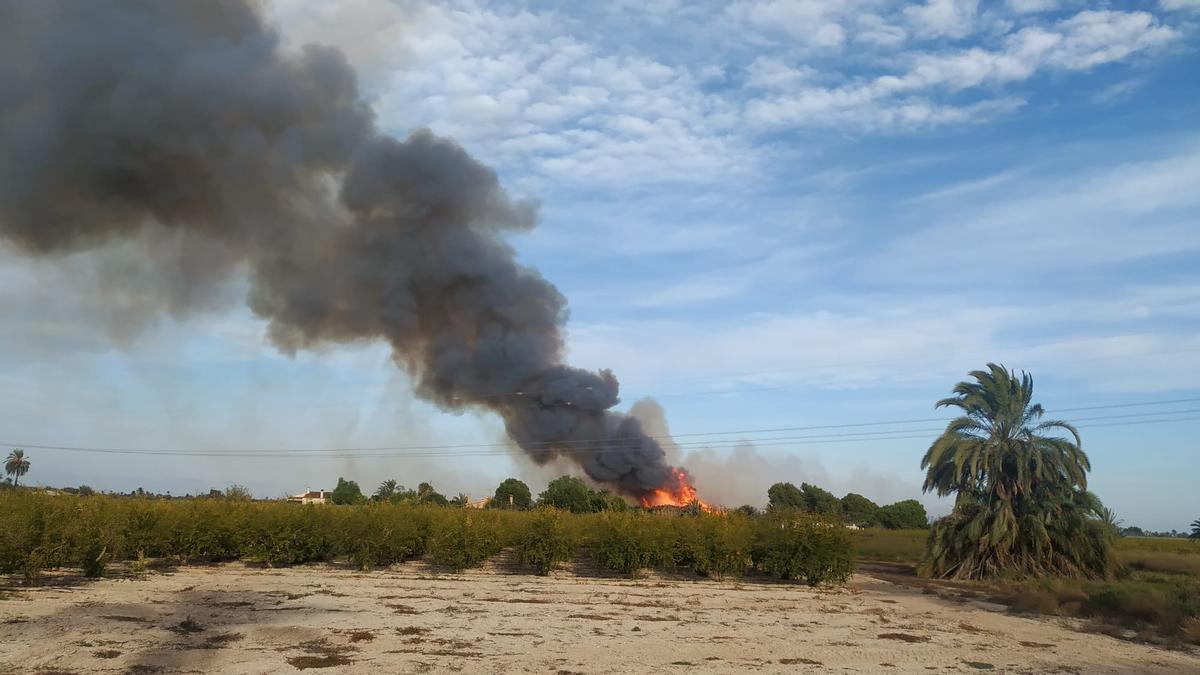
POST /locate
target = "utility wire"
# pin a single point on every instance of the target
(896, 434)
(547, 445)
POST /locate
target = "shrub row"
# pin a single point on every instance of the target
(42, 531)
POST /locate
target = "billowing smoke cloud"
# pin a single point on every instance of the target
(184, 128)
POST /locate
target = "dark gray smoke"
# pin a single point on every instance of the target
(185, 126)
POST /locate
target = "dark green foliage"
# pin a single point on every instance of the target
(628, 543)
(803, 547)
(1022, 505)
(569, 494)
(346, 492)
(512, 494)
(714, 545)
(859, 510)
(820, 501)
(376, 535)
(427, 495)
(1195, 529)
(464, 538)
(290, 536)
(604, 500)
(746, 510)
(16, 465)
(44, 532)
(784, 496)
(810, 498)
(85, 490)
(386, 489)
(908, 514)
(546, 542)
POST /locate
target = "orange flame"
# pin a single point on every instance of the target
(681, 494)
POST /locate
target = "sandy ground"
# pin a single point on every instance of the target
(234, 619)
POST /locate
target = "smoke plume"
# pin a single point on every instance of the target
(184, 131)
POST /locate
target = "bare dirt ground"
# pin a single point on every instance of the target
(235, 619)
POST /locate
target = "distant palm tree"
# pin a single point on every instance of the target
(17, 465)
(1022, 503)
(386, 489)
(1110, 519)
(1196, 529)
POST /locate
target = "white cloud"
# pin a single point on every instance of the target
(1177, 5)
(771, 73)
(909, 99)
(943, 18)
(1132, 211)
(550, 98)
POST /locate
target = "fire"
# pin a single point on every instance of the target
(681, 494)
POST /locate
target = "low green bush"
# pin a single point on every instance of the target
(546, 541)
(630, 542)
(464, 538)
(43, 532)
(714, 545)
(796, 546)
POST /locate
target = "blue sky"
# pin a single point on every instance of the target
(767, 214)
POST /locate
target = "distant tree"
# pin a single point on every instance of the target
(513, 494)
(820, 501)
(385, 490)
(784, 496)
(1020, 483)
(568, 493)
(1195, 529)
(605, 500)
(1110, 520)
(239, 493)
(747, 510)
(859, 510)
(904, 515)
(460, 501)
(346, 492)
(16, 466)
(1132, 531)
(86, 490)
(427, 495)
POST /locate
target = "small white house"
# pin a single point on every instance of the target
(312, 497)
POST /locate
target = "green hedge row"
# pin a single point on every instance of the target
(44, 531)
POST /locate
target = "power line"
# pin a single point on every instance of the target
(617, 442)
(897, 434)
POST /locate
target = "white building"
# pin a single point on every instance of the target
(312, 497)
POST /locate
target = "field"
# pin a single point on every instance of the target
(1155, 597)
(101, 583)
(416, 617)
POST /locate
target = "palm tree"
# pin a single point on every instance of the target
(386, 489)
(1195, 529)
(1022, 505)
(17, 465)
